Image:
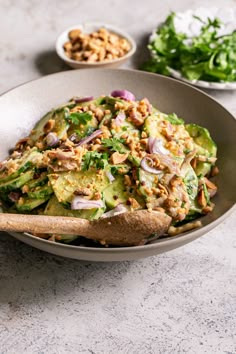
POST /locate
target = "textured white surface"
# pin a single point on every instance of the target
(180, 302)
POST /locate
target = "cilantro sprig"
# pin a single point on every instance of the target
(174, 119)
(115, 144)
(94, 159)
(78, 118)
(208, 56)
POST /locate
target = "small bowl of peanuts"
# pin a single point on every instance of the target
(94, 45)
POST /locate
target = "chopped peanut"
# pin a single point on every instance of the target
(49, 125)
(98, 46)
(117, 158)
(133, 203)
(127, 180)
(201, 198)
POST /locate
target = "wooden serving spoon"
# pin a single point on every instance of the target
(126, 229)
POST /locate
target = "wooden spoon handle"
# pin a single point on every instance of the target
(44, 224)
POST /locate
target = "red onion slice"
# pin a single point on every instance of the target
(120, 118)
(52, 139)
(83, 99)
(90, 137)
(119, 209)
(186, 163)
(124, 94)
(146, 167)
(156, 146)
(79, 203)
(14, 196)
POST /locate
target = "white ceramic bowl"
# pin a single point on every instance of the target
(186, 23)
(88, 28)
(32, 100)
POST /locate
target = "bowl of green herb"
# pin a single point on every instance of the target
(198, 47)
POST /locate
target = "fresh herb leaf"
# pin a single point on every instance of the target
(81, 133)
(208, 56)
(94, 159)
(120, 169)
(79, 118)
(115, 144)
(174, 119)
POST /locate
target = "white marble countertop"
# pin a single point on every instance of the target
(180, 302)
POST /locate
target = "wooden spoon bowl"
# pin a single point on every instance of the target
(126, 229)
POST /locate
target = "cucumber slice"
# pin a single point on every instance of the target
(16, 182)
(191, 182)
(204, 145)
(23, 164)
(28, 204)
(147, 181)
(116, 193)
(55, 208)
(65, 184)
(60, 127)
(151, 124)
(40, 192)
(40, 181)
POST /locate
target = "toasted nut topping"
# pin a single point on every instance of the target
(25, 189)
(133, 202)
(209, 184)
(49, 126)
(117, 158)
(201, 198)
(127, 180)
(98, 46)
(207, 209)
(214, 171)
(82, 191)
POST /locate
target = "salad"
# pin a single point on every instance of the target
(98, 157)
(209, 55)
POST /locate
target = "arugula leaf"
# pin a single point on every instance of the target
(174, 119)
(94, 159)
(79, 118)
(115, 144)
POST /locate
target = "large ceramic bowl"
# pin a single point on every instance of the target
(24, 105)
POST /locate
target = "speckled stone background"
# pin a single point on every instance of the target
(180, 302)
